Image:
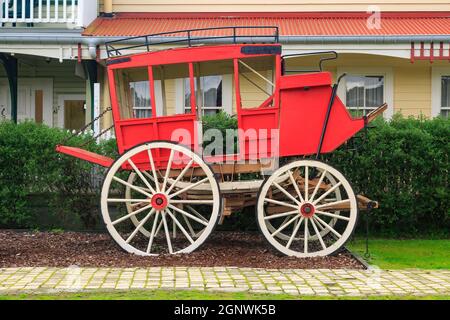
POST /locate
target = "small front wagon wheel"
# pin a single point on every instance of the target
(160, 197)
(300, 200)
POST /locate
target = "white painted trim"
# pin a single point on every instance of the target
(227, 93)
(386, 72)
(179, 96)
(436, 74)
(159, 98)
(396, 50)
(60, 107)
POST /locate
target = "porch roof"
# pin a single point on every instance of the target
(290, 24)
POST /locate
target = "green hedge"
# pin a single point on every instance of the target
(33, 175)
(404, 164)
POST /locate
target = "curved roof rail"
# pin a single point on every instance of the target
(234, 34)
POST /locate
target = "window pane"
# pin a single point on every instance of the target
(133, 92)
(187, 94)
(445, 92)
(364, 93)
(212, 91)
(140, 94)
(355, 91)
(210, 112)
(374, 91)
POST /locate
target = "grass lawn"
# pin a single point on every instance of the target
(402, 254)
(196, 295)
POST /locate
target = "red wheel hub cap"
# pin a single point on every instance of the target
(307, 210)
(159, 201)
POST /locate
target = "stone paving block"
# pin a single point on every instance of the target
(291, 281)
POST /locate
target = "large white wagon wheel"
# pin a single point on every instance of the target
(309, 210)
(324, 231)
(147, 212)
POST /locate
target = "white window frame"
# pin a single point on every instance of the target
(388, 92)
(227, 94)
(436, 75)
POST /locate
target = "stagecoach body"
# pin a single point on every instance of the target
(172, 193)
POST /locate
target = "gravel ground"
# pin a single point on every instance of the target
(238, 249)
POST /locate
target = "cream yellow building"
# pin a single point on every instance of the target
(392, 51)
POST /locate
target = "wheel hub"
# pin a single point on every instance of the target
(159, 201)
(307, 210)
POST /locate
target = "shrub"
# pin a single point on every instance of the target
(29, 165)
(403, 164)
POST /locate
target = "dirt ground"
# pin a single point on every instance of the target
(239, 249)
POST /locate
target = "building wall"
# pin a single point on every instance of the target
(412, 90)
(274, 5)
(63, 75)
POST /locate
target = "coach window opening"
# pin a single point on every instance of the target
(256, 76)
(165, 84)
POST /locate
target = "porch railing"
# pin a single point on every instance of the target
(78, 13)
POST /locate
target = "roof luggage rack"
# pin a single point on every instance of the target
(237, 34)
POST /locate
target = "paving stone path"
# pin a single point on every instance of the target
(324, 282)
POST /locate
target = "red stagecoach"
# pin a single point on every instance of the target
(165, 194)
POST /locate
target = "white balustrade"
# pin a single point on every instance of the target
(78, 13)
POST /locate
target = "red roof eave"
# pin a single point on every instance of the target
(290, 24)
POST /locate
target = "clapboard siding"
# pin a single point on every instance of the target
(274, 5)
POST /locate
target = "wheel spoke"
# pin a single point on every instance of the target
(139, 173)
(180, 226)
(295, 185)
(189, 187)
(286, 193)
(132, 187)
(333, 215)
(284, 204)
(159, 226)
(191, 230)
(192, 201)
(130, 214)
(327, 226)
(305, 242)
(152, 234)
(139, 226)
(126, 200)
(169, 165)
(188, 215)
(297, 226)
(197, 213)
(306, 183)
(282, 227)
(329, 205)
(180, 176)
(152, 165)
(337, 185)
(280, 215)
(318, 234)
(174, 229)
(318, 185)
(166, 230)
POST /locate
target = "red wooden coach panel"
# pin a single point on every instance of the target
(304, 102)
